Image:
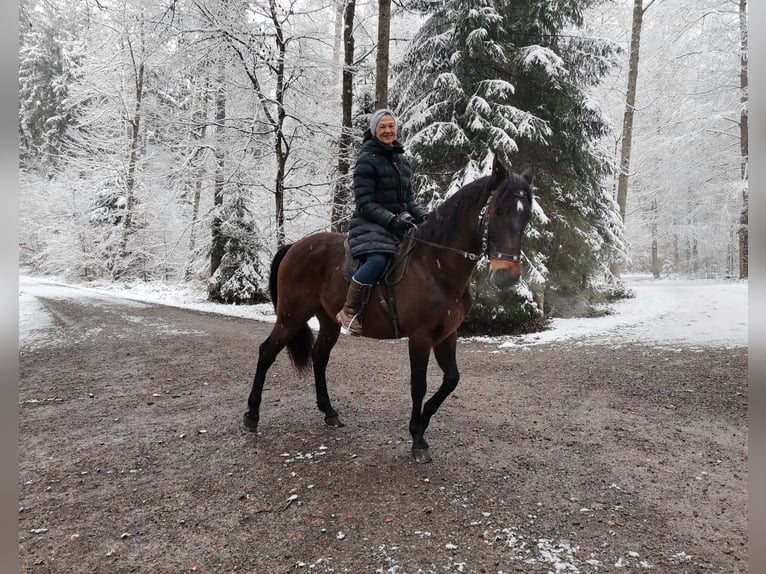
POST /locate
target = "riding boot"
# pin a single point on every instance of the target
(356, 298)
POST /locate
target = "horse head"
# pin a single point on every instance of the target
(508, 212)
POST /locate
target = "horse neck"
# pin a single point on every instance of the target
(459, 232)
(463, 231)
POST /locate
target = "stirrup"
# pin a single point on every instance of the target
(354, 326)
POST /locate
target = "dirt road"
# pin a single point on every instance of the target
(555, 458)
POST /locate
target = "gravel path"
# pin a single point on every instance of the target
(553, 458)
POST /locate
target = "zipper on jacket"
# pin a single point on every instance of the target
(402, 197)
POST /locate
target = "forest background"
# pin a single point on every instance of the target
(188, 140)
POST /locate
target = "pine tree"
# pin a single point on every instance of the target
(512, 79)
(48, 52)
(239, 278)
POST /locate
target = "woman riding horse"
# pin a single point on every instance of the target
(430, 289)
(385, 210)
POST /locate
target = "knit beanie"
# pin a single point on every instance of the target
(375, 118)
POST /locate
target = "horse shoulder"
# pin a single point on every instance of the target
(467, 298)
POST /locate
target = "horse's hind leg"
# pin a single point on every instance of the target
(320, 356)
(267, 354)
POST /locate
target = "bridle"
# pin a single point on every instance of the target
(483, 223)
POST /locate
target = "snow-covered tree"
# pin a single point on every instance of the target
(275, 47)
(106, 137)
(241, 275)
(744, 98)
(513, 80)
(55, 234)
(686, 172)
(342, 193)
(48, 51)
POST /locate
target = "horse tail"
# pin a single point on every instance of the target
(299, 347)
(281, 252)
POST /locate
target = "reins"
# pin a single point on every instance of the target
(483, 223)
(465, 254)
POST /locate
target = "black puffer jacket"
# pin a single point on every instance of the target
(382, 190)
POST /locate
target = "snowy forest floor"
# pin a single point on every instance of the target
(552, 457)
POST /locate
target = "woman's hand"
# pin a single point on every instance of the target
(402, 223)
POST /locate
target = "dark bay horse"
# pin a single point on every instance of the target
(430, 284)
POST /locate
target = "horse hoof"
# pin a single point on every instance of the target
(421, 455)
(250, 423)
(334, 422)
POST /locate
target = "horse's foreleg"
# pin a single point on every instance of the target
(445, 357)
(267, 353)
(320, 356)
(418, 386)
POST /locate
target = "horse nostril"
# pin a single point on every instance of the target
(505, 273)
(504, 278)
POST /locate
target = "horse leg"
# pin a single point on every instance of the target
(320, 356)
(267, 354)
(418, 386)
(445, 357)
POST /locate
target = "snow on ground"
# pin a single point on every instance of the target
(664, 312)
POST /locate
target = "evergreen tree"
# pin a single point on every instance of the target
(239, 278)
(511, 79)
(48, 51)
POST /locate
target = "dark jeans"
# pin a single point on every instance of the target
(371, 270)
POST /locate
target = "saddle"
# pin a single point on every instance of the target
(386, 301)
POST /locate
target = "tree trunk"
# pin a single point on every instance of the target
(692, 252)
(217, 247)
(743, 138)
(135, 134)
(199, 134)
(135, 137)
(655, 255)
(281, 149)
(381, 63)
(731, 257)
(538, 295)
(695, 253)
(337, 53)
(342, 196)
(627, 123)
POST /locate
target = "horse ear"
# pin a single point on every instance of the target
(529, 174)
(499, 170)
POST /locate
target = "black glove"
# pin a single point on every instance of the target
(402, 223)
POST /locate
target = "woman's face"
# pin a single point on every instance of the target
(385, 132)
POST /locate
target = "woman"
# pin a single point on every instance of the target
(385, 210)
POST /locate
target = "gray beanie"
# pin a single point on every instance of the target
(375, 118)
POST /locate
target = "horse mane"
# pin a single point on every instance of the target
(440, 224)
